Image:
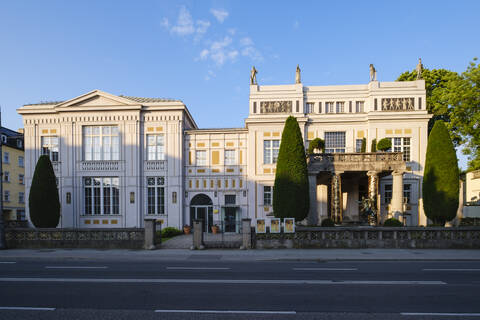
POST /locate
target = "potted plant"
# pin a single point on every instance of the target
(215, 229)
(187, 229)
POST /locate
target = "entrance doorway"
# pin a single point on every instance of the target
(230, 219)
(201, 207)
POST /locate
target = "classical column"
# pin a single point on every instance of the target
(312, 188)
(336, 202)
(396, 207)
(373, 191)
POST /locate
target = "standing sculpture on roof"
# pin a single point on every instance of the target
(373, 73)
(297, 75)
(253, 76)
(419, 69)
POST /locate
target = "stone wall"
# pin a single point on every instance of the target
(25, 238)
(372, 237)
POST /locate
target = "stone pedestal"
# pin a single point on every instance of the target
(197, 235)
(396, 207)
(246, 234)
(336, 202)
(312, 188)
(149, 243)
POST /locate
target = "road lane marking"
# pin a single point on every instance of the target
(440, 314)
(7, 262)
(465, 270)
(27, 308)
(74, 267)
(325, 269)
(227, 311)
(196, 268)
(229, 281)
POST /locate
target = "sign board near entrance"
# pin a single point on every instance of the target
(260, 226)
(289, 225)
(275, 225)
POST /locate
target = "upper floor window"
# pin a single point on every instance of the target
(6, 176)
(6, 157)
(270, 151)
(19, 143)
(21, 197)
(101, 143)
(155, 147)
(400, 144)
(50, 147)
(329, 107)
(309, 107)
(201, 157)
(335, 141)
(21, 162)
(101, 195)
(359, 106)
(230, 157)
(21, 179)
(155, 195)
(6, 196)
(340, 107)
(230, 199)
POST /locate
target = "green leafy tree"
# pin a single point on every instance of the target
(440, 177)
(384, 144)
(43, 200)
(373, 147)
(364, 145)
(316, 143)
(290, 193)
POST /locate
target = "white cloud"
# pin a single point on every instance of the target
(165, 23)
(246, 42)
(249, 49)
(202, 26)
(204, 54)
(210, 75)
(219, 14)
(232, 31)
(220, 52)
(184, 24)
(296, 24)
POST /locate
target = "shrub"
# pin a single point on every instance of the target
(373, 147)
(316, 143)
(169, 232)
(364, 145)
(440, 178)
(290, 193)
(392, 222)
(384, 144)
(327, 223)
(43, 201)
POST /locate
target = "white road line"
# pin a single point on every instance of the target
(228, 281)
(440, 314)
(196, 268)
(27, 308)
(465, 270)
(227, 311)
(7, 262)
(325, 269)
(74, 267)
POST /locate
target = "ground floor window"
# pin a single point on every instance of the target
(406, 193)
(267, 195)
(21, 215)
(155, 195)
(101, 195)
(335, 142)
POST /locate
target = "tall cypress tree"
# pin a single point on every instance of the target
(440, 177)
(43, 200)
(290, 193)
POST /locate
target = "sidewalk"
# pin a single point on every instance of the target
(245, 255)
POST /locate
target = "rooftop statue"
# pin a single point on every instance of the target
(253, 76)
(297, 75)
(373, 73)
(419, 69)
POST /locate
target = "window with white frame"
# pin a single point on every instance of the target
(21, 161)
(6, 176)
(21, 179)
(101, 143)
(335, 142)
(400, 144)
(101, 195)
(155, 147)
(230, 157)
(6, 196)
(21, 197)
(309, 107)
(329, 107)
(155, 195)
(387, 195)
(340, 107)
(267, 195)
(358, 145)
(407, 188)
(270, 151)
(201, 157)
(50, 147)
(21, 215)
(6, 157)
(359, 106)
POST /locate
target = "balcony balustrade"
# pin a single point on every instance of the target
(155, 165)
(101, 165)
(376, 161)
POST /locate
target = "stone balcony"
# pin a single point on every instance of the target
(101, 165)
(375, 161)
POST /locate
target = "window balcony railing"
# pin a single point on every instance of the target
(100, 165)
(155, 165)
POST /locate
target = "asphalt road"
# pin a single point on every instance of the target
(212, 289)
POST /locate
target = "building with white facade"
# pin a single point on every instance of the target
(121, 159)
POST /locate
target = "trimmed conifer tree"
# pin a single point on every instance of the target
(43, 201)
(290, 193)
(440, 177)
(384, 144)
(373, 147)
(364, 145)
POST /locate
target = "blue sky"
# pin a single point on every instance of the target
(202, 51)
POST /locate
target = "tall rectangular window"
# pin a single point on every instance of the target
(21, 197)
(359, 106)
(201, 157)
(155, 195)
(267, 195)
(101, 143)
(50, 147)
(340, 107)
(6, 176)
(358, 145)
(6, 196)
(6, 157)
(407, 188)
(21, 215)
(400, 144)
(329, 107)
(387, 196)
(21, 179)
(155, 147)
(101, 195)
(230, 157)
(319, 107)
(335, 142)
(21, 161)
(270, 151)
(309, 107)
